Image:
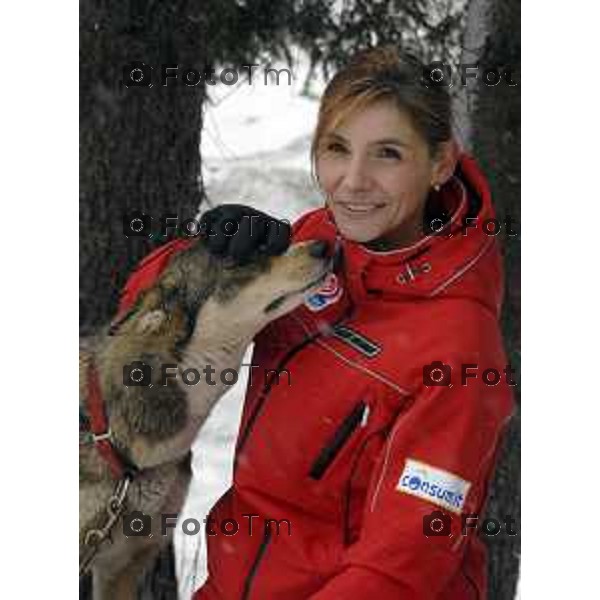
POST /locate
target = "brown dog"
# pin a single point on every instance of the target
(202, 311)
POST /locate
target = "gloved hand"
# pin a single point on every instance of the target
(238, 231)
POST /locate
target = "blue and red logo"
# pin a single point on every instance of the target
(327, 294)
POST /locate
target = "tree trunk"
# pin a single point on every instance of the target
(477, 29)
(494, 133)
(139, 146)
(139, 150)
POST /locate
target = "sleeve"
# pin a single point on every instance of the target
(432, 470)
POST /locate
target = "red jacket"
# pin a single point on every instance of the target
(353, 446)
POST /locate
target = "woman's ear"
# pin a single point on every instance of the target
(445, 162)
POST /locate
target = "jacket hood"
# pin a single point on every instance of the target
(461, 260)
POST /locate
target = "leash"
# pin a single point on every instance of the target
(94, 538)
(124, 471)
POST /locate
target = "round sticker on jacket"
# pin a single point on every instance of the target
(327, 294)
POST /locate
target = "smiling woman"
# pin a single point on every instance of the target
(382, 142)
(376, 185)
(372, 460)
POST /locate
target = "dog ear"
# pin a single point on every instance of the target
(151, 322)
(117, 323)
(146, 298)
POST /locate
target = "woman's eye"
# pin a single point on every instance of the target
(388, 152)
(336, 147)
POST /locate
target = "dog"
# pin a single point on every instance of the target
(203, 310)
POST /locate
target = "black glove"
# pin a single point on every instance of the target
(239, 232)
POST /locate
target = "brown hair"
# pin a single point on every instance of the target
(379, 74)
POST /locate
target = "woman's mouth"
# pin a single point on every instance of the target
(359, 210)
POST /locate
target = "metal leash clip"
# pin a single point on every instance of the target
(114, 507)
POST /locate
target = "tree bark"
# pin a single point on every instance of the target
(494, 133)
(139, 146)
(477, 29)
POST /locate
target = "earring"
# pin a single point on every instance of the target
(436, 187)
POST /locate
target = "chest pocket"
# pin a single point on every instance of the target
(356, 439)
(345, 437)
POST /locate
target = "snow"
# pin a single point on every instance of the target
(255, 150)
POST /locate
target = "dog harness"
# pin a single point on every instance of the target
(94, 429)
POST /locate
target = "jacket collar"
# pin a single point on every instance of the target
(456, 261)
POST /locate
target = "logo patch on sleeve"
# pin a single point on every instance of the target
(434, 485)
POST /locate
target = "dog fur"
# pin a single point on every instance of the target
(202, 311)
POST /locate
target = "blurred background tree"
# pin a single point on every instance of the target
(492, 131)
(140, 147)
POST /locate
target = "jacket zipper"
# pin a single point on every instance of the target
(266, 390)
(242, 441)
(243, 438)
(337, 441)
(254, 568)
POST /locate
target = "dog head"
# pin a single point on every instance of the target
(266, 288)
(199, 287)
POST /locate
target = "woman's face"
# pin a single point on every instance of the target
(376, 171)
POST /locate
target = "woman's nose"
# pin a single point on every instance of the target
(356, 176)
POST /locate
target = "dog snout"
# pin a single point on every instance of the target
(319, 249)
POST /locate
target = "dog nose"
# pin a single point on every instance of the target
(319, 249)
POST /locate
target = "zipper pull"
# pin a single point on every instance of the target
(365, 416)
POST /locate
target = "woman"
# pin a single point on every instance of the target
(370, 446)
